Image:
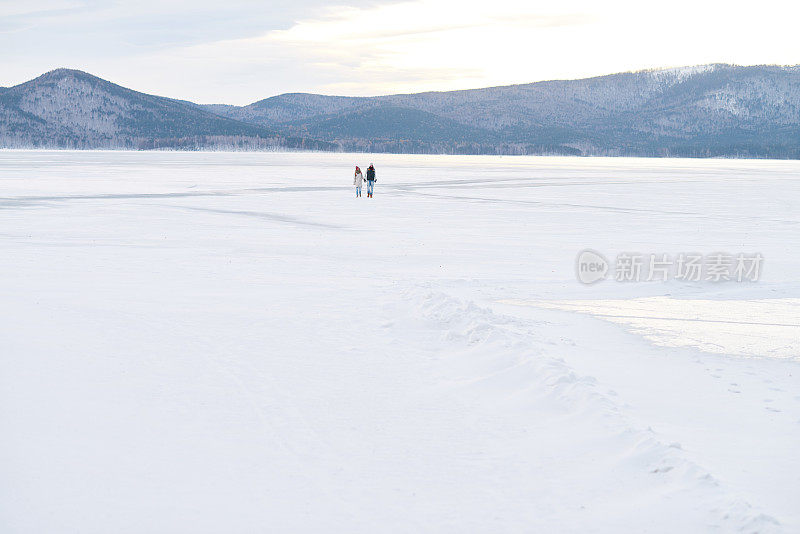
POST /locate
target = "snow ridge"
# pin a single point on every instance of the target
(539, 376)
(679, 74)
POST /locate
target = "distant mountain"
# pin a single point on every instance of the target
(710, 110)
(72, 109)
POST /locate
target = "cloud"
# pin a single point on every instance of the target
(400, 47)
(10, 8)
(382, 48)
(240, 51)
(39, 34)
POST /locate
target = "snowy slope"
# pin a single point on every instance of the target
(704, 110)
(699, 111)
(212, 342)
(68, 108)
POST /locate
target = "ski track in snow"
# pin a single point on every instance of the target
(193, 342)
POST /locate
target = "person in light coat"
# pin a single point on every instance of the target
(358, 181)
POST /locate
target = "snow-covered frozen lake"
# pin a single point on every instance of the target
(231, 342)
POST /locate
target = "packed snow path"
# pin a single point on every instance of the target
(201, 342)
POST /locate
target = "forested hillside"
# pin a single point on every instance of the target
(72, 109)
(710, 110)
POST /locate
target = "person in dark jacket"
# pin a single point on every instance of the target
(370, 180)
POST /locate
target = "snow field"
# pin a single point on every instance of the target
(206, 342)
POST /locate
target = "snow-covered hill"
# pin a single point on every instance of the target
(73, 109)
(709, 110)
(697, 111)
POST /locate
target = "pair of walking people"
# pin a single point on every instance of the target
(358, 180)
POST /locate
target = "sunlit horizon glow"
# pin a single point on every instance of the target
(242, 52)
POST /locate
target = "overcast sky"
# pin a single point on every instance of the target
(239, 51)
